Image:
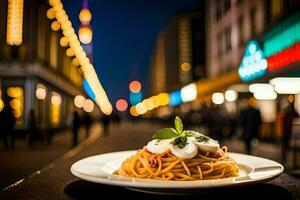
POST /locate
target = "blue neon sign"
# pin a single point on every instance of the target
(254, 63)
(175, 98)
(88, 90)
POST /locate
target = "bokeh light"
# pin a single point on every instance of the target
(231, 95)
(88, 105)
(55, 99)
(217, 98)
(40, 92)
(185, 67)
(135, 86)
(121, 105)
(85, 16)
(79, 100)
(85, 34)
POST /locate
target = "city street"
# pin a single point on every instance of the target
(23, 161)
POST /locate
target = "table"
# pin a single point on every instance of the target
(56, 182)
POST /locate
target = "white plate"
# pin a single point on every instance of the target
(100, 168)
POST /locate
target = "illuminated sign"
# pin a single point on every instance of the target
(135, 98)
(284, 58)
(282, 36)
(175, 98)
(88, 89)
(253, 64)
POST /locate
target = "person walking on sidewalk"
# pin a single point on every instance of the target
(250, 122)
(75, 127)
(87, 122)
(7, 122)
(288, 117)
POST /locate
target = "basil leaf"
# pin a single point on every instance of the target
(178, 125)
(165, 133)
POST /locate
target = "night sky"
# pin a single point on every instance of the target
(125, 32)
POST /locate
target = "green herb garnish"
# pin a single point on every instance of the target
(178, 133)
(202, 138)
(180, 141)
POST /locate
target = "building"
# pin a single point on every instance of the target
(270, 26)
(230, 24)
(178, 57)
(35, 73)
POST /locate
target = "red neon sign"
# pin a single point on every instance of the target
(284, 58)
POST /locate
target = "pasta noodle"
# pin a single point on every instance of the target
(166, 166)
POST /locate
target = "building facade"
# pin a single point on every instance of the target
(230, 24)
(36, 74)
(178, 57)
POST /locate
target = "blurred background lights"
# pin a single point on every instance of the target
(217, 98)
(55, 99)
(163, 99)
(14, 30)
(185, 67)
(79, 100)
(1, 105)
(88, 105)
(141, 108)
(55, 26)
(40, 92)
(85, 34)
(135, 86)
(64, 42)
(85, 16)
(231, 95)
(175, 98)
(149, 103)
(133, 111)
(121, 105)
(253, 64)
(286, 85)
(189, 92)
(14, 91)
(263, 91)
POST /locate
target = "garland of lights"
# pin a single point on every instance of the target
(70, 38)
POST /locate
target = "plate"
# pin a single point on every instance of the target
(100, 168)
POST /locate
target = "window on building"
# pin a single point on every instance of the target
(226, 6)
(41, 35)
(239, 2)
(218, 10)
(219, 41)
(241, 30)
(53, 50)
(228, 39)
(276, 9)
(253, 21)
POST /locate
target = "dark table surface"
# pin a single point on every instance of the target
(56, 182)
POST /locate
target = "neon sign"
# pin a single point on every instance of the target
(253, 64)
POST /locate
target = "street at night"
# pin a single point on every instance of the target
(185, 99)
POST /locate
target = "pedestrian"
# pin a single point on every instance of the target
(288, 117)
(250, 122)
(7, 121)
(33, 130)
(87, 122)
(105, 121)
(75, 127)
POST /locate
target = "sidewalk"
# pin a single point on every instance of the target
(22, 161)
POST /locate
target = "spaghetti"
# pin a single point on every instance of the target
(166, 166)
